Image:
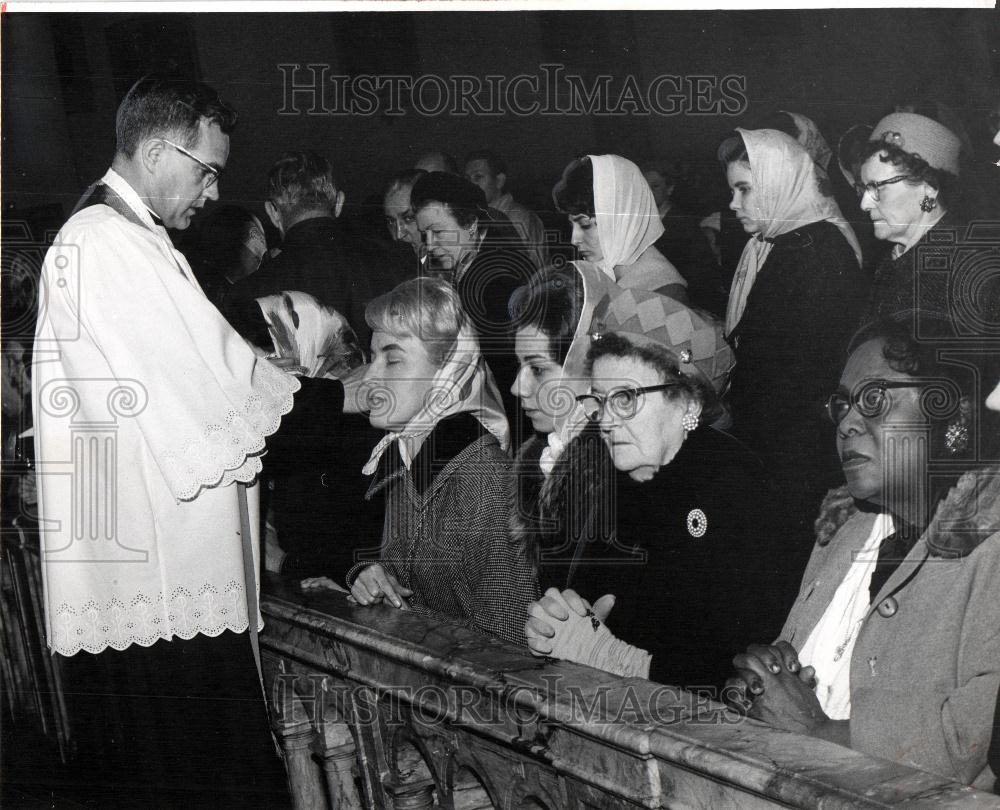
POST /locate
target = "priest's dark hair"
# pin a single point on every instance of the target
(169, 106)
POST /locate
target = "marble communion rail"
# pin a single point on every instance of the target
(381, 709)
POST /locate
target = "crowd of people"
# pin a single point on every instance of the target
(773, 477)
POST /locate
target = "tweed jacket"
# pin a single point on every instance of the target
(926, 664)
(445, 534)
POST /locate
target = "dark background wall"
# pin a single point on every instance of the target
(63, 75)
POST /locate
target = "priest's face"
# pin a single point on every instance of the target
(185, 177)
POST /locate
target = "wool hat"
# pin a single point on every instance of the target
(921, 136)
(695, 338)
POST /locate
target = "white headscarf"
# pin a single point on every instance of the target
(463, 383)
(628, 221)
(318, 337)
(788, 197)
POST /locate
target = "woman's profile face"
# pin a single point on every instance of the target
(744, 203)
(896, 212)
(585, 238)
(399, 217)
(652, 437)
(399, 380)
(447, 242)
(887, 451)
(538, 375)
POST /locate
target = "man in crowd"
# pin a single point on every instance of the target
(318, 256)
(151, 413)
(436, 161)
(487, 170)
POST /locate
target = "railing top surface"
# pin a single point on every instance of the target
(635, 715)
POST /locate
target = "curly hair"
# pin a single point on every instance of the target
(663, 361)
(464, 199)
(162, 105)
(915, 168)
(928, 354)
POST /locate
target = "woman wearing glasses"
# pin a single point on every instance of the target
(892, 645)
(685, 551)
(907, 179)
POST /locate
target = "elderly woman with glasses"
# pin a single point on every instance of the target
(907, 179)
(681, 545)
(892, 646)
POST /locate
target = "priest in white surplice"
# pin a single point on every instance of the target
(151, 414)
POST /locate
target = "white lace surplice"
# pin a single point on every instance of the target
(148, 407)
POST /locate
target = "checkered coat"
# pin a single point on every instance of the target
(446, 534)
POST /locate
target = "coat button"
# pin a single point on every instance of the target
(888, 608)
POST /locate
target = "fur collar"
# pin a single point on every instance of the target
(968, 515)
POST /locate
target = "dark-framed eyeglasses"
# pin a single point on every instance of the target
(868, 399)
(209, 174)
(875, 185)
(624, 402)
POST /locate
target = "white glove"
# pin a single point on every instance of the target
(563, 625)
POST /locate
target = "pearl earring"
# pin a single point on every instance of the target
(689, 422)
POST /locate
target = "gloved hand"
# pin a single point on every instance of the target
(563, 625)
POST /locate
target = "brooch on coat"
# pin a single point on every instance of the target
(697, 523)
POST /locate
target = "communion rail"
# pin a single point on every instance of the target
(381, 709)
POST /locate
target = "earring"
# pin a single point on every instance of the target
(927, 204)
(689, 422)
(956, 437)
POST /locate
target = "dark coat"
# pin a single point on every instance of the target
(686, 247)
(317, 257)
(949, 272)
(790, 346)
(314, 462)
(445, 534)
(690, 597)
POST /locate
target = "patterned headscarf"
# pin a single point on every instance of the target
(463, 383)
(318, 337)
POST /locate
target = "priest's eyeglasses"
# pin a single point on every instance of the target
(875, 185)
(209, 174)
(624, 402)
(868, 399)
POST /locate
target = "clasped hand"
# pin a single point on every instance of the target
(556, 620)
(771, 685)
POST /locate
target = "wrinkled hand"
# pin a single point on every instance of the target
(578, 634)
(374, 584)
(545, 615)
(741, 690)
(783, 691)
